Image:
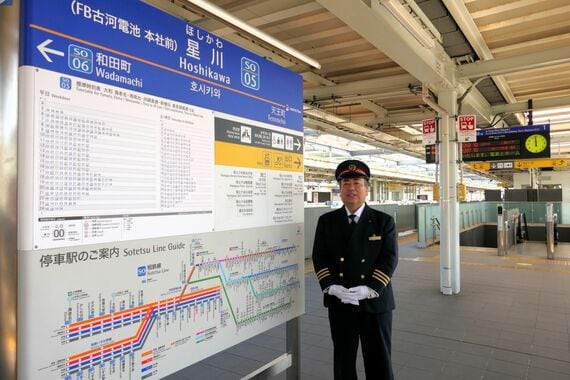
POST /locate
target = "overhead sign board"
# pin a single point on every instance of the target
(519, 164)
(494, 165)
(524, 142)
(160, 195)
(498, 165)
(480, 165)
(545, 163)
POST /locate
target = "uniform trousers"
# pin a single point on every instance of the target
(348, 325)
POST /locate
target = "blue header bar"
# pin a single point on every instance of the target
(135, 46)
(514, 130)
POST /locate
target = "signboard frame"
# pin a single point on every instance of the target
(183, 276)
(521, 142)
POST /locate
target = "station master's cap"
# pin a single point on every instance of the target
(352, 169)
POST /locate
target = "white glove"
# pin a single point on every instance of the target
(361, 292)
(350, 300)
(337, 290)
(342, 293)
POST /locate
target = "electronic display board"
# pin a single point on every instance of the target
(523, 142)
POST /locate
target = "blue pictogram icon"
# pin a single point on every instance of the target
(65, 83)
(250, 76)
(80, 59)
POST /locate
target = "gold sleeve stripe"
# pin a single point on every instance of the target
(322, 270)
(380, 280)
(323, 273)
(381, 274)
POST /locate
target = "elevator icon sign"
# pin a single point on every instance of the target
(250, 73)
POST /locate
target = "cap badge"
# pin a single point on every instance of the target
(352, 167)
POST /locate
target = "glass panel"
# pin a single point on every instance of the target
(473, 213)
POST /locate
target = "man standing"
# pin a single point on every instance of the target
(355, 255)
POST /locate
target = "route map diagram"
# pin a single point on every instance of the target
(226, 286)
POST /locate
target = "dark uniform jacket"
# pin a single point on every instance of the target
(368, 256)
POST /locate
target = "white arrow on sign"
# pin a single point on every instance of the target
(297, 144)
(45, 50)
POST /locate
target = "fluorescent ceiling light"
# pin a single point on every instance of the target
(551, 111)
(323, 115)
(558, 133)
(410, 130)
(409, 22)
(546, 118)
(566, 120)
(241, 26)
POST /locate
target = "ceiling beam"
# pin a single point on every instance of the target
(312, 77)
(497, 8)
(178, 9)
(540, 104)
(368, 152)
(514, 64)
(279, 12)
(332, 129)
(378, 110)
(379, 27)
(369, 86)
(384, 95)
(463, 18)
(405, 118)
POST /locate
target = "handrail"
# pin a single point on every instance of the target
(435, 222)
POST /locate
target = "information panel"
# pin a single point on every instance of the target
(160, 196)
(144, 309)
(524, 142)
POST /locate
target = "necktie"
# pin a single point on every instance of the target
(352, 225)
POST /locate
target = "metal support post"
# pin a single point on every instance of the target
(501, 232)
(9, 46)
(550, 231)
(293, 331)
(450, 273)
(289, 361)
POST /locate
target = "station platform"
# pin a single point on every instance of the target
(511, 320)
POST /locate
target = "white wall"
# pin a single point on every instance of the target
(546, 178)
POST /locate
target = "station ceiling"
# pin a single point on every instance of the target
(380, 77)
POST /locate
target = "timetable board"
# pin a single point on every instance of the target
(160, 196)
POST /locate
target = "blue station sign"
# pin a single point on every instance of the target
(135, 46)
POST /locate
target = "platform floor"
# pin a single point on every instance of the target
(511, 320)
